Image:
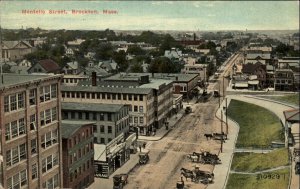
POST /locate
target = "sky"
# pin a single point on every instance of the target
(154, 15)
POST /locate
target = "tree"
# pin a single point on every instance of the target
(210, 69)
(136, 50)
(136, 68)
(104, 51)
(162, 65)
(120, 59)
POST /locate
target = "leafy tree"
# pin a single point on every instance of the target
(210, 69)
(135, 50)
(120, 59)
(136, 68)
(104, 51)
(162, 65)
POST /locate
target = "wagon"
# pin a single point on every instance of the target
(143, 158)
(120, 180)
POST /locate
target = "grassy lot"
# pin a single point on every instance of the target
(253, 162)
(242, 181)
(291, 99)
(258, 126)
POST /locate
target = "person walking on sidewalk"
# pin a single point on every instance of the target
(140, 147)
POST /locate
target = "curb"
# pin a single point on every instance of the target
(270, 100)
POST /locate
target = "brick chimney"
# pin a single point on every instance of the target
(94, 79)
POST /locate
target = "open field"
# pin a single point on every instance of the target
(290, 99)
(276, 180)
(258, 126)
(253, 162)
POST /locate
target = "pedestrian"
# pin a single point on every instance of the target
(140, 148)
(144, 145)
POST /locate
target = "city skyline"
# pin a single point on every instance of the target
(151, 15)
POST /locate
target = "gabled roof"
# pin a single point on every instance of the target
(49, 65)
(69, 127)
(292, 115)
(13, 44)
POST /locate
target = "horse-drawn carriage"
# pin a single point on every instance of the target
(120, 180)
(198, 175)
(204, 158)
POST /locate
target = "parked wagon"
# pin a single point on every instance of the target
(143, 158)
(120, 181)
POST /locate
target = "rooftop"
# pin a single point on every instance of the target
(16, 79)
(94, 107)
(107, 89)
(69, 127)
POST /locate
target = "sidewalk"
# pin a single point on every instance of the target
(160, 133)
(222, 171)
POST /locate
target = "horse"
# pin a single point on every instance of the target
(188, 175)
(208, 136)
(184, 170)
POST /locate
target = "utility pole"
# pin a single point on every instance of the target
(223, 89)
(219, 94)
(221, 131)
(226, 116)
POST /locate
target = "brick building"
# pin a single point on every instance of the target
(78, 154)
(111, 120)
(30, 123)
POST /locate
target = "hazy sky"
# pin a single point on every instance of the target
(155, 15)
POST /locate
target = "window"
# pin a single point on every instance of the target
(15, 155)
(86, 115)
(130, 108)
(18, 180)
(33, 146)
(95, 128)
(48, 116)
(15, 129)
(101, 117)
(135, 97)
(14, 102)
(102, 129)
(108, 117)
(129, 97)
(135, 120)
(141, 97)
(141, 109)
(49, 92)
(49, 139)
(109, 129)
(135, 108)
(108, 96)
(79, 115)
(113, 96)
(34, 172)
(124, 97)
(49, 162)
(33, 122)
(103, 96)
(109, 139)
(32, 97)
(141, 120)
(119, 96)
(54, 91)
(93, 95)
(73, 115)
(130, 119)
(94, 116)
(51, 183)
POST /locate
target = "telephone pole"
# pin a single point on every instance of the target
(226, 116)
(219, 94)
(221, 131)
(223, 89)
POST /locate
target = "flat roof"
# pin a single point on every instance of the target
(100, 152)
(127, 90)
(69, 127)
(156, 83)
(171, 76)
(16, 79)
(94, 107)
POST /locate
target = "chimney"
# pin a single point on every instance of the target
(152, 74)
(94, 79)
(176, 78)
(194, 37)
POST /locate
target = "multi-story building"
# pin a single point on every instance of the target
(284, 80)
(150, 102)
(78, 153)
(30, 123)
(110, 119)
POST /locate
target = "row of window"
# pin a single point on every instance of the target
(14, 102)
(81, 152)
(139, 120)
(49, 162)
(136, 109)
(87, 116)
(283, 81)
(18, 180)
(85, 166)
(15, 155)
(102, 140)
(14, 129)
(107, 96)
(78, 138)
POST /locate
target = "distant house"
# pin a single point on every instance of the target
(69, 52)
(71, 68)
(75, 43)
(90, 55)
(15, 50)
(45, 66)
(284, 80)
(108, 65)
(257, 69)
(173, 53)
(21, 68)
(25, 63)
